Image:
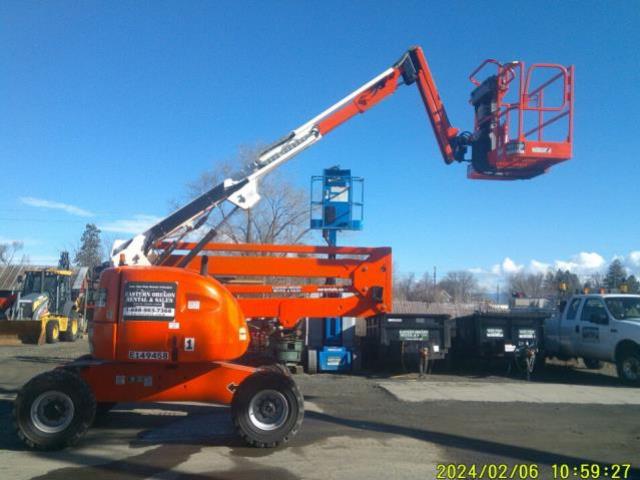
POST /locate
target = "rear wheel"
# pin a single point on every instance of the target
(53, 410)
(628, 366)
(267, 409)
(52, 331)
(592, 363)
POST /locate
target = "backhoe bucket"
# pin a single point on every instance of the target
(16, 332)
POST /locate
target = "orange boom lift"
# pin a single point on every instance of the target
(166, 329)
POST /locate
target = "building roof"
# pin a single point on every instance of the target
(9, 276)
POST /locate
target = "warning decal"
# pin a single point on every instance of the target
(149, 301)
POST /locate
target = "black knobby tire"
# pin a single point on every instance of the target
(52, 331)
(267, 391)
(53, 410)
(628, 366)
(593, 364)
(73, 330)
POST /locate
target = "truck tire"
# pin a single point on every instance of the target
(53, 410)
(628, 366)
(52, 331)
(593, 364)
(72, 332)
(267, 409)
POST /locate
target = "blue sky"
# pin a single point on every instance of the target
(109, 109)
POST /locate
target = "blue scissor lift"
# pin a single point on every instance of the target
(336, 205)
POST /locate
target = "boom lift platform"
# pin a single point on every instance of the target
(165, 329)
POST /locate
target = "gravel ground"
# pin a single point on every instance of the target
(353, 429)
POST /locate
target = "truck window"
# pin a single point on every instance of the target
(573, 309)
(623, 308)
(591, 306)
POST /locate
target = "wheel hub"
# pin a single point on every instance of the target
(52, 412)
(268, 410)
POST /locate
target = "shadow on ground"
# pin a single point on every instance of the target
(42, 359)
(553, 372)
(169, 451)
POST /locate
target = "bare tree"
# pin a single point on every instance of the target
(461, 285)
(8, 252)
(595, 281)
(532, 285)
(404, 286)
(407, 287)
(281, 216)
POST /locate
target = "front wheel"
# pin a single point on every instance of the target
(628, 366)
(52, 331)
(53, 410)
(72, 332)
(267, 409)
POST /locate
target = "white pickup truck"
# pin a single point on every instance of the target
(599, 328)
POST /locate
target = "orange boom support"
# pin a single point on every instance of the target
(363, 282)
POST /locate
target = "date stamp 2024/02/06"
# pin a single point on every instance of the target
(533, 471)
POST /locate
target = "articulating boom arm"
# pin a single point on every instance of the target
(412, 68)
(495, 154)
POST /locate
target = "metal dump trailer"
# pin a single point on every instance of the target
(392, 340)
(497, 334)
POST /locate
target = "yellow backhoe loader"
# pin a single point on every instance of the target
(43, 310)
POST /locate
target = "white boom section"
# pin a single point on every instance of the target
(135, 250)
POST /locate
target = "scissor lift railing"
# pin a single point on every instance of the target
(277, 281)
(521, 146)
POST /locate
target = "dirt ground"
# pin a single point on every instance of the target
(375, 427)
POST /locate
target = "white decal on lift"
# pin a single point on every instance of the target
(541, 149)
(193, 305)
(120, 379)
(189, 344)
(138, 355)
(174, 325)
(242, 334)
(286, 289)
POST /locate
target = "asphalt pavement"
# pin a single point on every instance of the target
(356, 427)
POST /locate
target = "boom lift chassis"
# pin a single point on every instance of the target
(267, 408)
